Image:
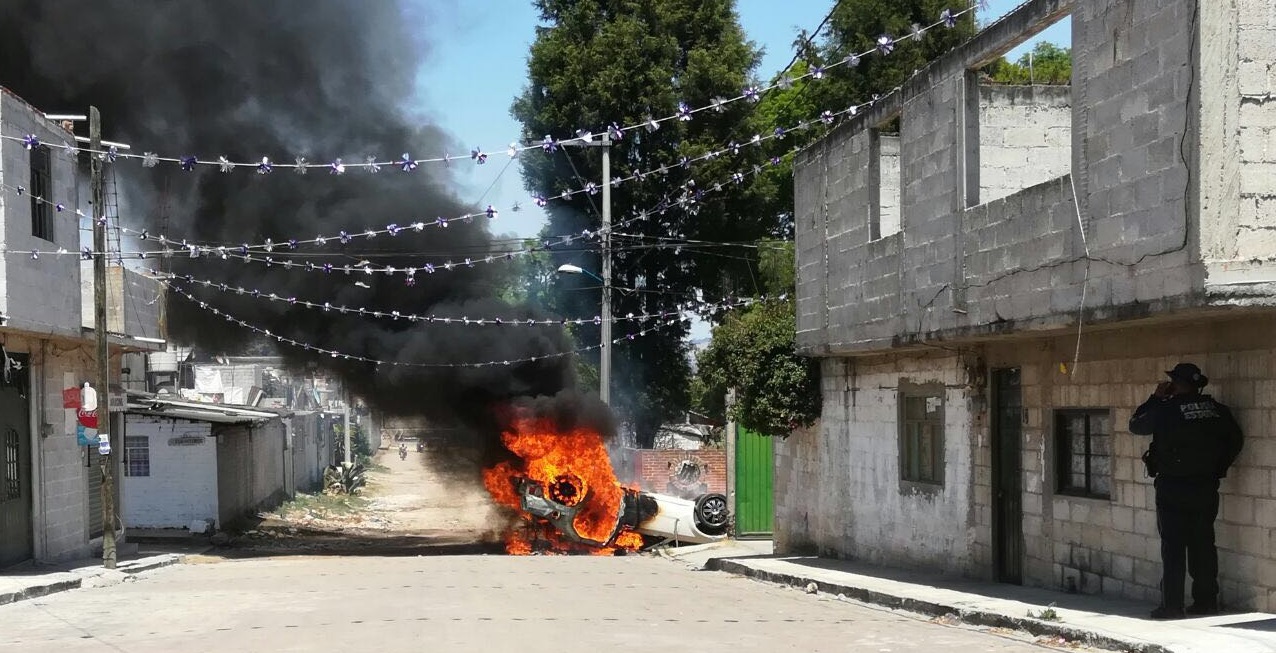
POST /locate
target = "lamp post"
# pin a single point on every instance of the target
(604, 364)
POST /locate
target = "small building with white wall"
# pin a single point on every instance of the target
(200, 466)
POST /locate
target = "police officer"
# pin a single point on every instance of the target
(1194, 441)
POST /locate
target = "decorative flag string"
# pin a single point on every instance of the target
(697, 307)
(364, 359)
(345, 236)
(689, 194)
(884, 45)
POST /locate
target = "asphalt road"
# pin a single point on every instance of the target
(464, 603)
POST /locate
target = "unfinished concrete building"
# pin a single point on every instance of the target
(994, 289)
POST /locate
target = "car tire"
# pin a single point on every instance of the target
(712, 515)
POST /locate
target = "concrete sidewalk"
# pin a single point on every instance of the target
(1094, 621)
(32, 580)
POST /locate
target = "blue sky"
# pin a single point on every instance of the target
(478, 63)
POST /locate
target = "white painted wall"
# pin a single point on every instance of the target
(182, 487)
(838, 488)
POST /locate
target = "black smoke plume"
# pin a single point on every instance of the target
(283, 78)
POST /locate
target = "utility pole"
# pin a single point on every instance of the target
(345, 431)
(604, 366)
(99, 328)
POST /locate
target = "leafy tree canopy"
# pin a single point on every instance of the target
(1046, 63)
(596, 62)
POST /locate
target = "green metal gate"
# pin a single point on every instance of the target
(754, 473)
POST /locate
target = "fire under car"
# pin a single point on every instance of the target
(659, 518)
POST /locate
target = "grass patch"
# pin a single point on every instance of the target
(324, 504)
(1048, 614)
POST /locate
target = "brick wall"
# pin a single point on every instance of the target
(679, 472)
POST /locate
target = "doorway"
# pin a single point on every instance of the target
(1007, 475)
(15, 471)
(754, 479)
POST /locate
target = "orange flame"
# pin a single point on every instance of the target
(571, 465)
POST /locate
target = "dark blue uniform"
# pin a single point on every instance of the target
(1194, 441)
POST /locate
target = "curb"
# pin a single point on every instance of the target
(974, 617)
(38, 591)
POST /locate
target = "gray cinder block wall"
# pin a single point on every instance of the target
(1161, 220)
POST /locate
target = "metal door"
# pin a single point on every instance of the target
(15, 477)
(754, 474)
(1007, 475)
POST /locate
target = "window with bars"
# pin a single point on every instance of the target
(137, 455)
(921, 434)
(1083, 452)
(12, 465)
(41, 192)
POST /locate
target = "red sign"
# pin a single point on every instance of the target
(88, 419)
(71, 398)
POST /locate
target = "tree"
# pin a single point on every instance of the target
(1046, 64)
(753, 351)
(603, 61)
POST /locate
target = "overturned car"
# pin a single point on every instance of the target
(658, 518)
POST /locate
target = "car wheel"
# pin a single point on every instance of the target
(712, 513)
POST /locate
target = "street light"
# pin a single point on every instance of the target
(604, 367)
(604, 364)
(568, 268)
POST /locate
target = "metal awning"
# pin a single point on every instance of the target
(155, 406)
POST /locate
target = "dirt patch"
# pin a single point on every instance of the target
(409, 507)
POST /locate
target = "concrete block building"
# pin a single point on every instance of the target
(994, 288)
(50, 499)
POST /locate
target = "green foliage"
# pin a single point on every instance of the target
(708, 400)
(854, 28)
(358, 441)
(1047, 64)
(344, 479)
(603, 61)
(754, 352)
(776, 265)
(1046, 614)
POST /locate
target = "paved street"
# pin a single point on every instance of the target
(462, 603)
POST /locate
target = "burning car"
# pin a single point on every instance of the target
(657, 517)
(561, 482)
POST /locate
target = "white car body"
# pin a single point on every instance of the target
(675, 521)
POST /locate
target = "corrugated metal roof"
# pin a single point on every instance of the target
(155, 406)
